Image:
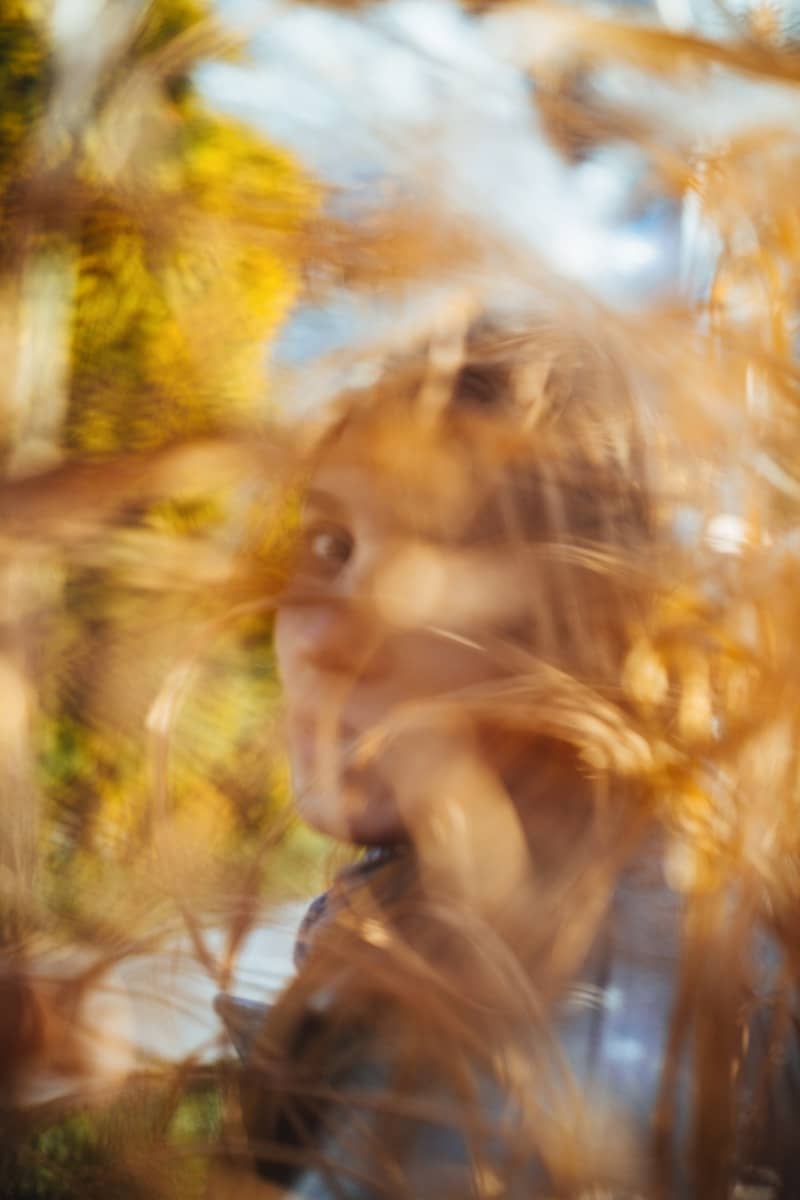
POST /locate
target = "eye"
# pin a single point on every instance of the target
(327, 548)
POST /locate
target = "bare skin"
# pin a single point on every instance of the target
(375, 652)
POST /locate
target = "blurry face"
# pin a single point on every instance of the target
(386, 627)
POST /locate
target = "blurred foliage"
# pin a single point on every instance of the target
(24, 81)
(170, 319)
(152, 1141)
(149, 248)
(149, 251)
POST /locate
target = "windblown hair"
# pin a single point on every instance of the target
(523, 436)
(449, 1039)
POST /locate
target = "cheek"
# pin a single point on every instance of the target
(293, 640)
(434, 665)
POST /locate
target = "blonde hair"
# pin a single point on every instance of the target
(425, 1004)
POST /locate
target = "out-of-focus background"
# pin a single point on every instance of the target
(213, 215)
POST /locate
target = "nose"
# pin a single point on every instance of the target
(336, 636)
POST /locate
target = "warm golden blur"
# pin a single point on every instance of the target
(607, 569)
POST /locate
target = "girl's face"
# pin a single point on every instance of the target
(389, 621)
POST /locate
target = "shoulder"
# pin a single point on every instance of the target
(367, 1082)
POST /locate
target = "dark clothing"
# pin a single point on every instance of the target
(613, 1029)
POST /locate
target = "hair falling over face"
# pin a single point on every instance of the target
(569, 968)
(532, 589)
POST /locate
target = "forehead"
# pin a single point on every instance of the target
(408, 474)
